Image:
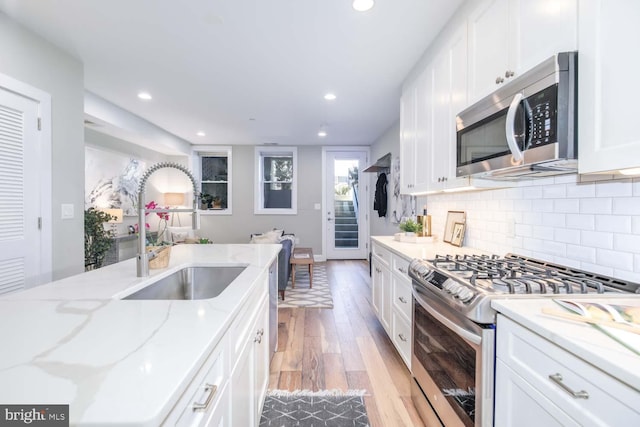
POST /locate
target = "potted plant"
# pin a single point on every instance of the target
(410, 227)
(97, 240)
(205, 200)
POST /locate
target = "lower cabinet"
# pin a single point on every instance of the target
(251, 372)
(539, 383)
(391, 297)
(230, 387)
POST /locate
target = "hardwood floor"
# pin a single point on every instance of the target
(344, 348)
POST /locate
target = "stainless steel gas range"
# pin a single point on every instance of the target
(453, 346)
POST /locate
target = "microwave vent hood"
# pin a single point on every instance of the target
(531, 171)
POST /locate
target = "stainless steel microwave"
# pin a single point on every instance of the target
(527, 128)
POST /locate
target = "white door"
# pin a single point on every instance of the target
(346, 205)
(20, 197)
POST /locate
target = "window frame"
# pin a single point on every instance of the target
(258, 200)
(214, 151)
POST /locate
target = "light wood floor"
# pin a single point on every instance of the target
(344, 348)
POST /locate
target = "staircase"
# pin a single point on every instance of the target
(346, 224)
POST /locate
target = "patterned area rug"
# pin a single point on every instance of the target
(303, 408)
(317, 297)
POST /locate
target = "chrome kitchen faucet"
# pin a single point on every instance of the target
(144, 257)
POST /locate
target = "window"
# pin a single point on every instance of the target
(276, 169)
(214, 170)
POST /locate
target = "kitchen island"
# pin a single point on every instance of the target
(131, 362)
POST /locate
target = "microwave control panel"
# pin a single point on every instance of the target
(543, 112)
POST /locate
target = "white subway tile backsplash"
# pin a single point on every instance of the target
(591, 223)
(555, 191)
(566, 205)
(542, 205)
(554, 219)
(581, 222)
(581, 190)
(626, 242)
(613, 223)
(614, 259)
(596, 239)
(626, 206)
(566, 235)
(596, 206)
(582, 253)
(618, 188)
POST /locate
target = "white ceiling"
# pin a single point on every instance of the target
(245, 71)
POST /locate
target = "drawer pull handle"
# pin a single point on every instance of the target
(402, 270)
(212, 389)
(402, 300)
(261, 331)
(258, 339)
(402, 337)
(557, 378)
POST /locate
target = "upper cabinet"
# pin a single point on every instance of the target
(608, 69)
(507, 37)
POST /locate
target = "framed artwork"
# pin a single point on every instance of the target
(458, 234)
(452, 218)
(111, 180)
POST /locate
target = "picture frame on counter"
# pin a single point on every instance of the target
(452, 218)
(458, 234)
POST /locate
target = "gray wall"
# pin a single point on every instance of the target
(389, 142)
(236, 228)
(34, 61)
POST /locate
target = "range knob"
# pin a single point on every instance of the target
(465, 295)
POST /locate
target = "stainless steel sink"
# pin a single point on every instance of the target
(190, 283)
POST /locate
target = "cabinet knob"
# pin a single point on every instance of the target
(402, 337)
(509, 73)
(499, 80)
(402, 300)
(258, 339)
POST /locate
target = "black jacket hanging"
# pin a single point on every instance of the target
(380, 198)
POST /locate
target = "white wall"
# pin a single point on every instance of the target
(389, 142)
(34, 61)
(236, 228)
(590, 225)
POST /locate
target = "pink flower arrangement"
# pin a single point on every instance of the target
(162, 225)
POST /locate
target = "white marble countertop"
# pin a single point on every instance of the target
(75, 342)
(580, 339)
(424, 250)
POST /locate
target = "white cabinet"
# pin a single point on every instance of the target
(392, 298)
(415, 131)
(449, 97)
(508, 37)
(607, 105)
(250, 375)
(380, 286)
(539, 383)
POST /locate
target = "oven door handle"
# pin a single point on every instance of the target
(469, 336)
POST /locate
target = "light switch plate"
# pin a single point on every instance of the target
(67, 211)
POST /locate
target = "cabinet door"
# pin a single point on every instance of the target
(242, 390)
(607, 105)
(380, 294)
(407, 139)
(488, 50)
(540, 29)
(261, 359)
(522, 405)
(423, 131)
(441, 110)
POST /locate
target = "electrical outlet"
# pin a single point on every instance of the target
(316, 206)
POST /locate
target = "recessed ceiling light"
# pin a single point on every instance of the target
(362, 5)
(322, 133)
(330, 96)
(146, 96)
(200, 133)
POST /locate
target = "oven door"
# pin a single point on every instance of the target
(452, 362)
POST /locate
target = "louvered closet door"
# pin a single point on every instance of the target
(19, 192)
